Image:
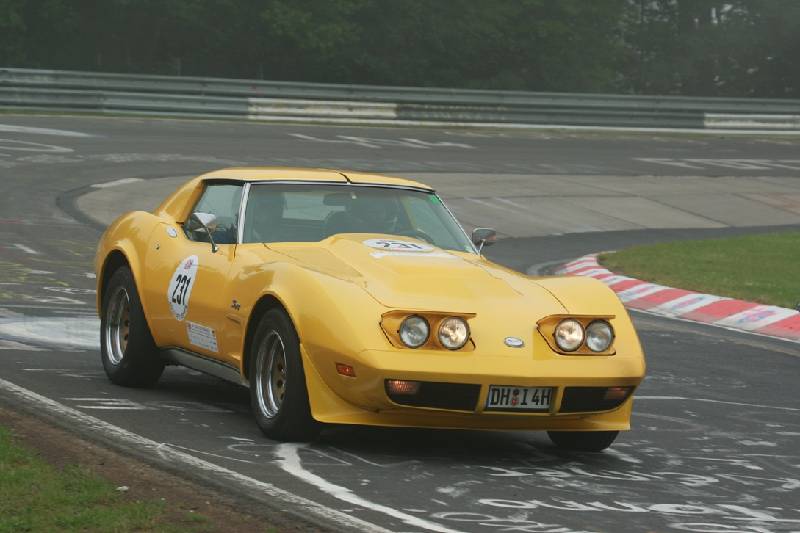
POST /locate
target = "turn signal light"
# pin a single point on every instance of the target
(617, 393)
(399, 386)
(346, 370)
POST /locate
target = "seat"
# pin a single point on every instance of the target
(342, 222)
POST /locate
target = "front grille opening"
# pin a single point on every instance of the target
(454, 396)
(586, 399)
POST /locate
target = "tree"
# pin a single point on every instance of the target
(697, 47)
(12, 31)
(714, 47)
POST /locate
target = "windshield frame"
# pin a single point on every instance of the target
(425, 190)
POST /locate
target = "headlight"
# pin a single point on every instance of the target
(453, 333)
(599, 336)
(414, 331)
(569, 335)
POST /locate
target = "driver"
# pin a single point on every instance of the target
(376, 215)
(264, 215)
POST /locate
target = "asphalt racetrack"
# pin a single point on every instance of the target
(715, 425)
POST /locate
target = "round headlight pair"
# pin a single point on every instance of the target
(570, 335)
(453, 332)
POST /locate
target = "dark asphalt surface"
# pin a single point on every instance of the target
(716, 425)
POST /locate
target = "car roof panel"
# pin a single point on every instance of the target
(253, 174)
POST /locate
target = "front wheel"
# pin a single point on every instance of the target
(127, 349)
(583, 441)
(278, 393)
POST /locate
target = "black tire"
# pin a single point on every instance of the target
(129, 354)
(278, 393)
(583, 441)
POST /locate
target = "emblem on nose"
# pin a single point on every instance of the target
(514, 342)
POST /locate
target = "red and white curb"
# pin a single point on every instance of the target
(657, 299)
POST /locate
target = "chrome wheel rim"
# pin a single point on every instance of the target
(271, 374)
(118, 325)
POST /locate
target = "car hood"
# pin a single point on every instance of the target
(406, 273)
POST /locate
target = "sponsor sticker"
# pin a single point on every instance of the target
(202, 337)
(394, 245)
(180, 287)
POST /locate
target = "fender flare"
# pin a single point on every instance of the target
(116, 245)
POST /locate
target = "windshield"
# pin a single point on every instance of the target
(311, 212)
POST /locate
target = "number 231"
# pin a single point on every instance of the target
(181, 286)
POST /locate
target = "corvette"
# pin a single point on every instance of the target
(353, 298)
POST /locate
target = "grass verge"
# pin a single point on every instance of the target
(760, 268)
(35, 496)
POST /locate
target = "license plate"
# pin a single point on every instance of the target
(503, 398)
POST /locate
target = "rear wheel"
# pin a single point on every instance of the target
(583, 441)
(129, 354)
(278, 393)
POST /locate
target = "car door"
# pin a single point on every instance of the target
(188, 277)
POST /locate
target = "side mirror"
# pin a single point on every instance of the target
(206, 222)
(483, 237)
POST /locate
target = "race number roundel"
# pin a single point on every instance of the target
(180, 287)
(394, 245)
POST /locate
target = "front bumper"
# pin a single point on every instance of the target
(363, 400)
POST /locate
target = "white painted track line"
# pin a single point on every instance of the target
(177, 457)
(11, 128)
(290, 463)
(115, 183)
(26, 249)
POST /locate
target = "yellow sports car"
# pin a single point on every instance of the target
(352, 298)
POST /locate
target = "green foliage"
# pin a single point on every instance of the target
(703, 47)
(12, 32)
(34, 496)
(714, 47)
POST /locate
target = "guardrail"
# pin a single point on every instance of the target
(73, 91)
